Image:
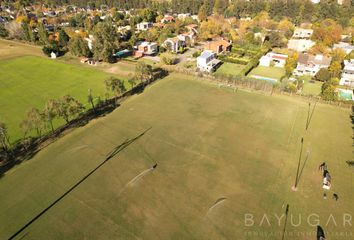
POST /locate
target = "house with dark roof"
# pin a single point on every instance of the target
(310, 64)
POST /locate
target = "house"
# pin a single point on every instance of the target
(218, 46)
(192, 28)
(183, 16)
(347, 78)
(187, 38)
(146, 48)
(301, 40)
(300, 45)
(346, 47)
(167, 19)
(143, 26)
(174, 44)
(310, 64)
(207, 61)
(302, 33)
(273, 59)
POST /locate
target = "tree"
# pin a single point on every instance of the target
(34, 121)
(42, 34)
(3, 32)
(328, 91)
(78, 47)
(68, 107)
(202, 15)
(323, 75)
(106, 42)
(4, 137)
(143, 72)
(168, 58)
(90, 99)
(14, 29)
(131, 81)
(51, 112)
(291, 62)
(115, 85)
(335, 69)
(63, 38)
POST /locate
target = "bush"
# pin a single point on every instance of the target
(168, 58)
(196, 54)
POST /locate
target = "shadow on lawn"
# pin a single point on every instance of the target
(24, 151)
(110, 155)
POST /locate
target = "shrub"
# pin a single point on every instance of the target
(168, 58)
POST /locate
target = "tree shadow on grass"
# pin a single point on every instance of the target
(24, 151)
(109, 156)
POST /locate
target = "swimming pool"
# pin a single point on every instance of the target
(345, 94)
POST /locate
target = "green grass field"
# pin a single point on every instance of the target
(268, 72)
(30, 81)
(229, 69)
(311, 88)
(209, 144)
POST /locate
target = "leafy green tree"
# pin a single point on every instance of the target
(106, 42)
(3, 32)
(115, 85)
(34, 121)
(328, 91)
(78, 46)
(42, 34)
(26, 31)
(63, 38)
(4, 137)
(131, 81)
(50, 112)
(90, 99)
(143, 72)
(69, 107)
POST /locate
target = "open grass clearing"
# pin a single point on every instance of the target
(209, 144)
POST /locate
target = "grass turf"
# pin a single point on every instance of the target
(269, 72)
(311, 88)
(209, 143)
(229, 69)
(30, 81)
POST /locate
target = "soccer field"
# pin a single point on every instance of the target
(30, 81)
(220, 156)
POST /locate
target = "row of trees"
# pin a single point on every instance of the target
(67, 107)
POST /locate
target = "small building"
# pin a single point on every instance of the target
(146, 48)
(53, 55)
(143, 26)
(183, 16)
(346, 47)
(174, 44)
(347, 78)
(302, 33)
(300, 45)
(187, 38)
(301, 40)
(167, 19)
(273, 59)
(310, 64)
(218, 46)
(207, 61)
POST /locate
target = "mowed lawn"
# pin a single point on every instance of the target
(239, 150)
(229, 69)
(268, 72)
(30, 81)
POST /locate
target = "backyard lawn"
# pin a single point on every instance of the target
(30, 81)
(220, 156)
(229, 69)
(267, 72)
(311, 87)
